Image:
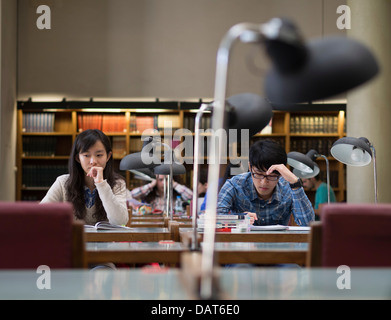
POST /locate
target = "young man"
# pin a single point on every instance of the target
(317, 184)
(269, 192)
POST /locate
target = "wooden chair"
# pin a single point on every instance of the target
(33, 234)
(356, 235)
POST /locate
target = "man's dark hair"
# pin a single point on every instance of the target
(265, 153)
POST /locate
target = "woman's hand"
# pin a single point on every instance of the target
(96, 173)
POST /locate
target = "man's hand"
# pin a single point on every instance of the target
(284, 172)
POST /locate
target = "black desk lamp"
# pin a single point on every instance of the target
(305, 166)
(301, 72)
(356, 152)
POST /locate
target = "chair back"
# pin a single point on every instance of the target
(356, 235)
(33, 234)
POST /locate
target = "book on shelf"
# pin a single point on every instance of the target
(39, 146)
(104, 225)
(167, 120)
(38, 122)
(41, 176)
(89, 121)
(114, 123)
(144, 123)
(314, 124)
(119, 146)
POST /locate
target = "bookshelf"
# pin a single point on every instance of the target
(46, 132)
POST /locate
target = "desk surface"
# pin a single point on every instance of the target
(134, 252)
(132, 234)
(226, 252)
(251, 236)
(237, 283)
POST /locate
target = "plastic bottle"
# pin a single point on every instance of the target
(178, 205)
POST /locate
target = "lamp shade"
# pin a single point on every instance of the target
(164, 169)
(301, 162)
(140, 160)
(136, 161)
(306, 175)
(331, 66)
(248, 111)
(352, 151)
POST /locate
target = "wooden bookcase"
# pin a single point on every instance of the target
(46, 132)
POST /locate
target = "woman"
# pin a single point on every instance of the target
(95, 190)
(153, 193)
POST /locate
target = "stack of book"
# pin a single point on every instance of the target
(224, 222)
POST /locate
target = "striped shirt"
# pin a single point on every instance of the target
(239, 195)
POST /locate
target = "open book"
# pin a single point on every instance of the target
(104, 225)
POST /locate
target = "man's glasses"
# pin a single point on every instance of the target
(261, 176)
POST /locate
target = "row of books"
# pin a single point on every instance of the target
(39, 146)
(104, 122)
(303, 145)
(189, 122)
(38, 122)
(41, 175)
(138, 124)
(314, 124)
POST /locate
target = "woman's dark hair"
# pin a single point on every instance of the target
(75, 184)
(265, 153)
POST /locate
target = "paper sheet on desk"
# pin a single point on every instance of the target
(275, 227)
(299, 228)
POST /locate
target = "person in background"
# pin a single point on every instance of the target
(153, 193)
(317, 184)
(96, 191)
(269, 192)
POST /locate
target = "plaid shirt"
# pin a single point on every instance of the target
(239, 195)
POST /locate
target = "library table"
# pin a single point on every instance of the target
(235, 283)
(132, 234)
(147, 219)
(226, 252)
(167, 252)
(147, 224)
(186, 236)
(261, 252)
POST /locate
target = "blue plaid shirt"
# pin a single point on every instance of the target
(238, 195)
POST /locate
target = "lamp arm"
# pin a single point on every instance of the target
(196, 175)
(170, 183)
(248, 32)
(327, 175)
(374, 169)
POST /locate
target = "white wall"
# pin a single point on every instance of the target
(8, 27)
(149, 48)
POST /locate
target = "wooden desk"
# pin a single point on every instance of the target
(134, 252)
(261, 252)
(147, 224)
(147, 219)
(186, 236)
(133, 234)
(226, 252)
